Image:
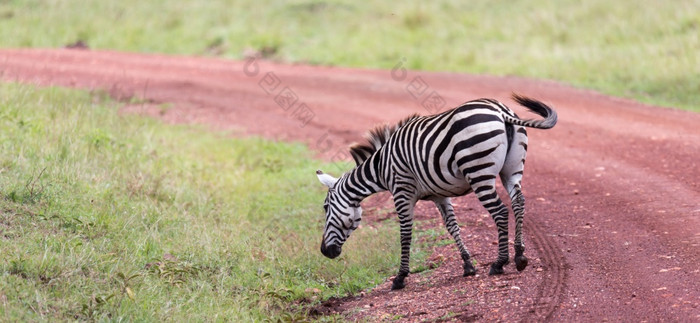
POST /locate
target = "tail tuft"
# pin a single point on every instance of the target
(549, 115)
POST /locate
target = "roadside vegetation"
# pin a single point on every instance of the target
(110, 217)
(106, 216)
(646, 51)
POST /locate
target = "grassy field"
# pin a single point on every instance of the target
(112, 217)
(644, 51)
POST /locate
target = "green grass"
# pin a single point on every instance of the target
(644, 51)
(112, 217)
(117, 217)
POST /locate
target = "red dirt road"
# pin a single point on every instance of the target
(613, 191)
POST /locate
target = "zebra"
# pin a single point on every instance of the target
(437, 157)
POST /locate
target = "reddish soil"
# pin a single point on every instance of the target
(613, 215)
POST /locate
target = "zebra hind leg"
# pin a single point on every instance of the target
(448, 216)
(518, 203)
(485, 190)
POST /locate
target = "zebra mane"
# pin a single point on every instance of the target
(376, 138)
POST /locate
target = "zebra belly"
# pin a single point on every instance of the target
(452, 187)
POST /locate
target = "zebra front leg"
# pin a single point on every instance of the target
(405, 211)
(448, 216)
(518, 204)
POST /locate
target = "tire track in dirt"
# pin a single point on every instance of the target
(551, 291)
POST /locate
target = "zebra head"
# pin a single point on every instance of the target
(342, 217)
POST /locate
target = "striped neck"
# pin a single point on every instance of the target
(363, 180)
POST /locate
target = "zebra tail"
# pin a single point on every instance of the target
(549, 115)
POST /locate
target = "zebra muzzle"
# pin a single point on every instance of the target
(331, 251)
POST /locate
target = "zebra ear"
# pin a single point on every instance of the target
(326, 179)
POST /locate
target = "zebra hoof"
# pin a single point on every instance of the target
(469, 269)
(399, 282)
(495, 271)
(520, 262)
(520, 259)
(497, 268)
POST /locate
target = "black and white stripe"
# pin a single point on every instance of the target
(437, 157)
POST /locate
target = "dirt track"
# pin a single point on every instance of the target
(613, 191)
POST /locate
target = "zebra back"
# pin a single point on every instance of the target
(377, 137)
